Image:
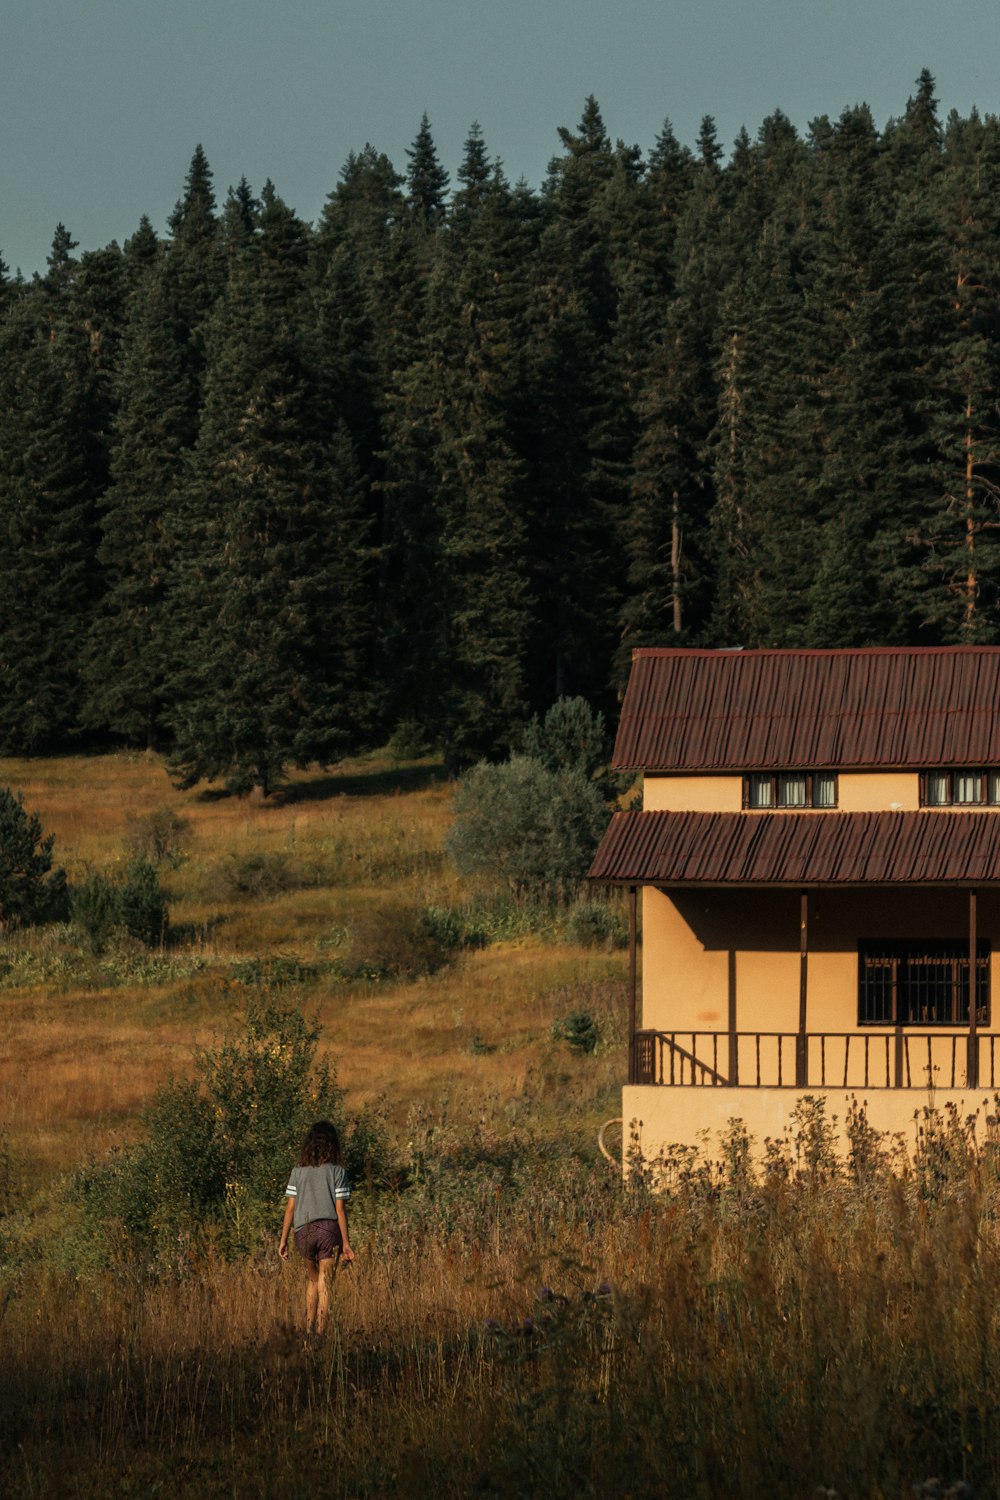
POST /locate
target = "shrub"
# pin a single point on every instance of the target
(136, 906)
(94, 909)
(160, 837)
(395, 942)
(217, 1149)
(142, 906)
(597, 924)
(30, 890)
(534, 828)
(258, 874)
(407, 742)
(578, 1029)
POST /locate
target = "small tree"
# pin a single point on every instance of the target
(30, 890)
(534, 828)
(573, 737)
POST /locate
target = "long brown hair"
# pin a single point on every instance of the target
(320, 1144)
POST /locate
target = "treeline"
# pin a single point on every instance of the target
(268, 491)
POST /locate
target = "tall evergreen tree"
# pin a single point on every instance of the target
(265, 600)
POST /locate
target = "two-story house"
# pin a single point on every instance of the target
(818, 855)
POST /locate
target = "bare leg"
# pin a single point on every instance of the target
(325, 1274)
(312, 1295)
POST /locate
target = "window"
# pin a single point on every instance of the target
(790, 789)
(921, 982)
(962, 788)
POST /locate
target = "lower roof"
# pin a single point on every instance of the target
(800, 849)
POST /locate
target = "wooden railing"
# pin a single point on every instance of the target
(824, 1059)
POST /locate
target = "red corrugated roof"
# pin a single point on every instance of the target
(774, 710)
(796, 849)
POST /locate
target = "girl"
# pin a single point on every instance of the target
(317, 1195)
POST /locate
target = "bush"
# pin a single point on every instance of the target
(407, 742)
(534, 828)
(217, 1149)
(94, 909)
(136, 906)
(161, 837)
(30, 890)
(259, 874)
(597, 924)
(142, 906)
(578, 1029)
(396, 942)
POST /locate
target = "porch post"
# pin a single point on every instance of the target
(972, 1067)
(631, 981)
(802, 1047)
(734, 1045)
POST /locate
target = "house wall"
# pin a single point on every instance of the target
(700, 948)
(858, 791)
(656, 1118)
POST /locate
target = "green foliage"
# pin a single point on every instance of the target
(397, 942)
(134, 905)
(578, 1029)
(597, 924)
(533, 828)
(407, 742)
(142, 906)
(30, 890)
(217, 1149)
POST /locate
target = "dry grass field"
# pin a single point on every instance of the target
(519, 1322)
(83, 1047)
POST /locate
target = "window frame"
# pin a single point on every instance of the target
(774, 777)
(893, 953)
(985, 773)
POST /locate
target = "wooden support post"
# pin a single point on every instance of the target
(734, 1044)
(632, 923)
(972, 1068)
(802, 1047)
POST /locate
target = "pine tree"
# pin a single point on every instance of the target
(265, 606)
(49, 485)
(427, 180)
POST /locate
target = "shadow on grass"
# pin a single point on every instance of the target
(380, 781)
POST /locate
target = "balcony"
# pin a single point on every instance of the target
(869, 1059)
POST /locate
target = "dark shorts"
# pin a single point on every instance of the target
(320, 1240)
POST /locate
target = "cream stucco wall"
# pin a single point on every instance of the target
(659, 1117)
(692, 793)
(857, 791)
(702, 949)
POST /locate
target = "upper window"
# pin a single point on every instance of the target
(964, 788)
(790, 789)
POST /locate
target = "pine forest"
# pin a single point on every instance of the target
(270, 491)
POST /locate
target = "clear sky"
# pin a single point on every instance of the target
(103, 101)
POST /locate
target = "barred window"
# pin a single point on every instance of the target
(921, 983)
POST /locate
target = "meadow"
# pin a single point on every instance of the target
(520, 1320)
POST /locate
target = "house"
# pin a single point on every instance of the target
(818, 853)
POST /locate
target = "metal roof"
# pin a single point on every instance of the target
(784, 710)
(800, 849)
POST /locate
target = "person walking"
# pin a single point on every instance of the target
(316, 1210)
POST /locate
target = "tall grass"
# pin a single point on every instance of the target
(738, 1337)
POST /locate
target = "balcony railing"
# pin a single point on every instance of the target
(818, 1059)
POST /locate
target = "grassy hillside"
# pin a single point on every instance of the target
(339, 861)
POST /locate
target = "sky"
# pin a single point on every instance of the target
(102, 102)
